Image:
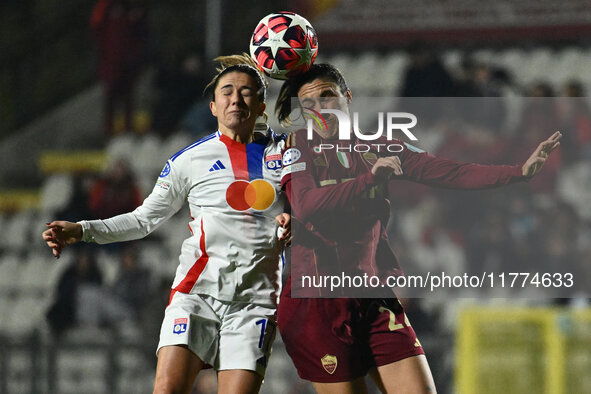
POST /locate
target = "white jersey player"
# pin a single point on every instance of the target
(222, 307)
(234, 196)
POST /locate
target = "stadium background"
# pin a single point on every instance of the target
(53, 149)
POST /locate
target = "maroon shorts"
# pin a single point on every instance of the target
(336, 340)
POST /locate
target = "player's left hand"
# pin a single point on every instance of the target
(60, 233)
(284, 231)
(384, 167)
(534, 164)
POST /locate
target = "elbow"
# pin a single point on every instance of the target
(143, 225)
(302, 206)
(303, 215)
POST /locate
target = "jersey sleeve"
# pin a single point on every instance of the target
(165, 200)
(424, 168)
(299, 181)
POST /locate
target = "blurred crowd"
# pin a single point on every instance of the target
(540, 226)
(537, 224)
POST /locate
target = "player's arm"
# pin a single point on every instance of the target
(431, 170)
(307, 199)
(165, 200)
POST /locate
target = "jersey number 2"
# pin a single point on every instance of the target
(392, 325)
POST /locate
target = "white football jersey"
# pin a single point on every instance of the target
(234, 194)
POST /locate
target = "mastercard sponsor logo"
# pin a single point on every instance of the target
(258, 195)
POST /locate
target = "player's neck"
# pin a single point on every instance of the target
(238, 136)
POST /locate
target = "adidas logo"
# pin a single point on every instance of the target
(217, 166)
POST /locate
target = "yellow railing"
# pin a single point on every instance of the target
(72, 161)
(519, 350)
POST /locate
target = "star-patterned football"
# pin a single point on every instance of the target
(284, 44)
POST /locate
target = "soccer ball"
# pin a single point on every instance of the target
(283, 44)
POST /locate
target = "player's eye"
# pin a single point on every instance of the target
(226, 91)
(247, 92)
(308, 103)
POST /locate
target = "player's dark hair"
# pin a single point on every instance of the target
(239, 63)
(291, 87)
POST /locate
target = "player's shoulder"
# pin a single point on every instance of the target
(411, 147)
(296, 138)
(194, 147)
(395, 145)
(276, 137)
(275, 141)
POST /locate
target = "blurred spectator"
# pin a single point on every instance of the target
(573, 187)
(116, 192)
(426, 76)
(539, 118)
(77, 206)
(198, 121)
(82, 299)
(478, 79)
(574, 122)
(63, 313)
(178, 88)
(560, 227)
(152, 315)
(120, 29)
(490, 246)
(133, 286)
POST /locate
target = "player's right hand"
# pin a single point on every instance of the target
(284, 229)
(384, 167)
(536, 161)
(61, 233)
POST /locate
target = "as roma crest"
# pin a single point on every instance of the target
(329, 363)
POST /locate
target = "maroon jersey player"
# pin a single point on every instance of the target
(340, 198)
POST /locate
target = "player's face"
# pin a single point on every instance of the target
(322, 94)
(236, 104)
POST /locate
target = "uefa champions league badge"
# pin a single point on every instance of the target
(291, 156)
(165, 170)
(180, 326)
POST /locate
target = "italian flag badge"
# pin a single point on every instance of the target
(344, 159)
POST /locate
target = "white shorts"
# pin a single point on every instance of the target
(225, 335)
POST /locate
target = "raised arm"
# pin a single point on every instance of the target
(166, 199)
(431, 170)
(307, 198)
(536, 161)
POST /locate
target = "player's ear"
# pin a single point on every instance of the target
(349, 96)
(262, 108)
(213, 108)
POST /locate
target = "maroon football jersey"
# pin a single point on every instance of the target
(344, 208)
